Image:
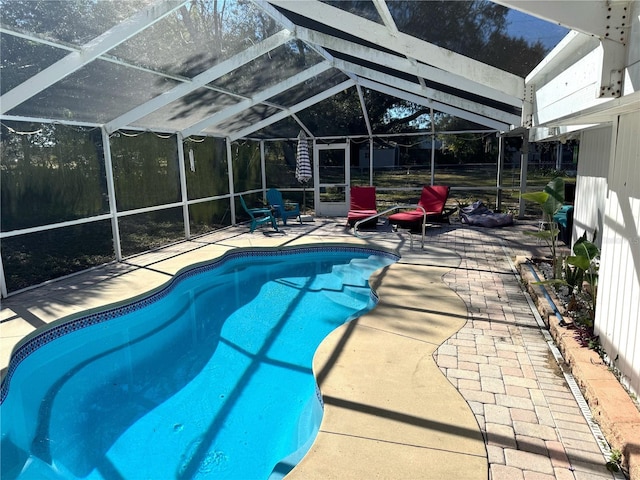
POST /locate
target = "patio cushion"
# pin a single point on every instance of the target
(433, 199)
(564, 219)
(362, 204)
(355, 215)
(477, 214)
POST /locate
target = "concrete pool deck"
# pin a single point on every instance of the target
(449, 377)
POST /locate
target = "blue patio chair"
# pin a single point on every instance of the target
(282, 209)
(259, 216)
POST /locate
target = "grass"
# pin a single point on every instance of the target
(469, 183)
(32, 259)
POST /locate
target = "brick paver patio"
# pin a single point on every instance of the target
(501, 363)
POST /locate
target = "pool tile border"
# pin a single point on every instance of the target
(65, 327)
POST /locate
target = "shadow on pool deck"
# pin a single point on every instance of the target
(389, 410)
(452, 309)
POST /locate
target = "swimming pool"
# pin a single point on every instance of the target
(209, 377)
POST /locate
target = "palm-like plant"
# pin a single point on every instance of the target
(550, 200)
(585, 262)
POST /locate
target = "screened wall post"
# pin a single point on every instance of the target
(232, 205)
(111, 191)
(524, 163)
(433, 146)
(367, 121)
(371, 164)
(183, 186)
(559, 149)
(499, 172)
(263, 169)
(3, 282)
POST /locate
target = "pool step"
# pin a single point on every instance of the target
(357, 271)
(348, 284)
(350, 296)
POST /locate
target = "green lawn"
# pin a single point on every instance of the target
(469, 183)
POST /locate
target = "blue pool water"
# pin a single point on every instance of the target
(210, 377)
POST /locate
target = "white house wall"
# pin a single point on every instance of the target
(591, 183)
(618, 313)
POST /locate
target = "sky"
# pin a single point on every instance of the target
(532, 29)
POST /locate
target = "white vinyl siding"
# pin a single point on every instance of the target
(591, 184)
(618, 310)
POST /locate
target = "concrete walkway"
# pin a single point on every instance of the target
(389, 411)
(449, 377)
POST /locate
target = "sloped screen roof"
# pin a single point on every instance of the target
(257, 69)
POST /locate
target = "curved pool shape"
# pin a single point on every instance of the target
(209, 377)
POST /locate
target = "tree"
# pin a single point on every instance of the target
(476, 29)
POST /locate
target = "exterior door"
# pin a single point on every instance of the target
(331, 163)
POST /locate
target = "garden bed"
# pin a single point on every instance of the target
(611, 406)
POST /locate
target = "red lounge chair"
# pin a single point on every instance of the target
(433, 199)
(363, 205)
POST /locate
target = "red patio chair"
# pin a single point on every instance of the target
(434, 200)
(363, 205)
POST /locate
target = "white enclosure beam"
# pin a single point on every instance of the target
(232, 192)
(296, 108)
(288, 24)
(89, 52)
(302, 125)
(407, 66)
(183, 186)
(406, 45)
(280, 18)
(364, 109)
(613, 67)
(385, 14)
(570, 91)
(603, 112)
(3, 281)
(420, 100)
(260, 97)
(601, 18)
(17, 118)
(433, 148)
(263, 170)
(37, 40)
(524, 166)
(608, 20)
(573, 46)
(445, 98)
(567, 90)
(200, 80)
(111, 193)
